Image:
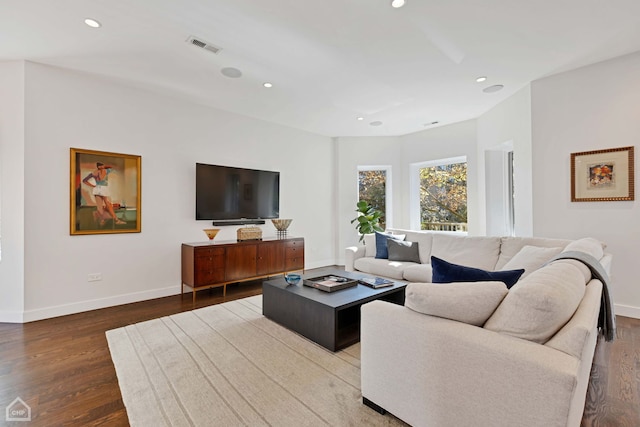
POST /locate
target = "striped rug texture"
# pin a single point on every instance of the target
(228, 365)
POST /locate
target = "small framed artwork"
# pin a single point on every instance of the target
(602, 175)
(105, 192)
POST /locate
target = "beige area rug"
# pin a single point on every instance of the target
(228, 365)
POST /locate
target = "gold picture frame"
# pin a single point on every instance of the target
(105, 192)
(603, 175)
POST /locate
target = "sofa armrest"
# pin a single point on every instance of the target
(351, 254)
(430, 371)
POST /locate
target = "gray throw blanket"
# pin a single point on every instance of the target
(607, 318)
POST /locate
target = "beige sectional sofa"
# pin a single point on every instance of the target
(487, 253)
(477, 353)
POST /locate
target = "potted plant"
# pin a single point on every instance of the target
(368, 219)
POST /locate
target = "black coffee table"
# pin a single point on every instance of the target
(331, 319)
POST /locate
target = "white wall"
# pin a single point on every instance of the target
(65, 109)
(399, 153)
(351, 153)
(591, 108)
(441, 143)
(509, 122)
(11, 191)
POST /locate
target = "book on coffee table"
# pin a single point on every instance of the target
(376, 282)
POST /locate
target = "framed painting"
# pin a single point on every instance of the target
(602, 175)
(105, 192)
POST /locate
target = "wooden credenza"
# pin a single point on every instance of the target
(213, 264)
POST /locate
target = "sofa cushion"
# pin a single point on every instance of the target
(381, 243)
(403, 251)
(478, 252)
(417, 273)
(531, 258)
(382, 267)
(540, 304)
(471, 303)
(446, 272)
(510, 246)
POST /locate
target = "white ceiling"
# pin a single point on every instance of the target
(330, 61)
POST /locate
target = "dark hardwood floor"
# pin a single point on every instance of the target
(62, 367)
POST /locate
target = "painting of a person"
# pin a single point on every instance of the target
(99, 181)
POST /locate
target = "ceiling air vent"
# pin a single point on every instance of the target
(203, 45)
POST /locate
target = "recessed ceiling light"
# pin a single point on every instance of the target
(397, 3)
(360, 119)
(481, 79)
(492, 89)
(92, 23)
(267, 84)
(231, 72)
(376, 123)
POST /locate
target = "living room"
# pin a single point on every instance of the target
(45, 269)
(45, 110)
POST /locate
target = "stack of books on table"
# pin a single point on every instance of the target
(376, 282)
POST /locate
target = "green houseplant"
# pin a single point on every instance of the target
(368, 219)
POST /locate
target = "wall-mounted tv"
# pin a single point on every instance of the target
(226, 193)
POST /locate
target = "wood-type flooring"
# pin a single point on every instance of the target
(62, 367)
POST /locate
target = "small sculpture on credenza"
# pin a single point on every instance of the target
(211, 233)
(281, 226)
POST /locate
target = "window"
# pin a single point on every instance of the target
(440, 195)
(499, 190)
(373, 184)
(511, 196)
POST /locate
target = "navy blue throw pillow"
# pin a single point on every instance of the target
(382, 251)
(446, 272)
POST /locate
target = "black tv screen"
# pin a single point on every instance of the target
(228, 193)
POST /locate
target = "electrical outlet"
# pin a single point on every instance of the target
(94, 277)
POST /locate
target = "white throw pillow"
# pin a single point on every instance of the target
(370, 245)
(530, 258)
(539, 305)
(588, 245)
(468, 302)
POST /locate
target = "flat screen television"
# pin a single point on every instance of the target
(226, 193)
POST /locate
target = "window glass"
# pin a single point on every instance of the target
(372, 187)
(443, 196)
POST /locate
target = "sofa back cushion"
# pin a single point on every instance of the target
(531, 258)
(470, 303)
(510, 246)
(476, 251)
(539, 305)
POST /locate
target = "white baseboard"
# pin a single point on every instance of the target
(319, 264)
(78, 307)
(11, 317)
(627, 311)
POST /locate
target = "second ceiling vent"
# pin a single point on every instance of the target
(203, 44)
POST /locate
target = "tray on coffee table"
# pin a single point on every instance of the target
(330, 283)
